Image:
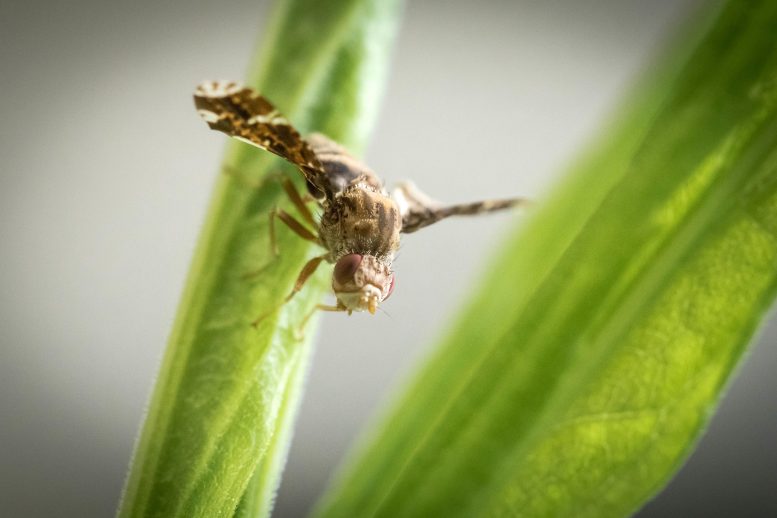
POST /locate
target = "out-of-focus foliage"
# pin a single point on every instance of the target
(592, 356)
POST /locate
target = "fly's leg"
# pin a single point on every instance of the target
(293, 195)
(299, 202)
(307, 270)
(297, 227)
(318, 307)
(293, 224)
(290, 221)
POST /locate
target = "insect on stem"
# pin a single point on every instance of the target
(360, 222)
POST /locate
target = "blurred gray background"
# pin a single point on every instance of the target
(106, 173)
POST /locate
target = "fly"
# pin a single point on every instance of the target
(361, 222)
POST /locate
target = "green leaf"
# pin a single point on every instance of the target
(227, 393)
(599, 342)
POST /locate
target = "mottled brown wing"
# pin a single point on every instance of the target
(244, 114)
(419, 211)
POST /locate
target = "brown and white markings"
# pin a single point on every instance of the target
(360, 224)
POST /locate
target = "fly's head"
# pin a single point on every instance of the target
(361, 282)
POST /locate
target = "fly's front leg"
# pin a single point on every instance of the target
(307, 270)
(318, 307)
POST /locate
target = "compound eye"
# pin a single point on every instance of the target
(346, 267)
(391, 287)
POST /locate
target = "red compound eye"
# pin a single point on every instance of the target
(391, 287)
(345, 268)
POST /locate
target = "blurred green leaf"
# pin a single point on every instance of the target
(580, 375)
(227, 393)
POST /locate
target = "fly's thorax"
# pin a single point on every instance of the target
(361, 282)
(362, 220)
(342, 169)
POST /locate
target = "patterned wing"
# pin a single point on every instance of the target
(244, 114)
(419, 211)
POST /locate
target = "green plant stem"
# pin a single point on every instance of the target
(227, 392)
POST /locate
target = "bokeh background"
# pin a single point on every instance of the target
(105, 178)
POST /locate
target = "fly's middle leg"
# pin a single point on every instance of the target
(307, 271)
(301, 228)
